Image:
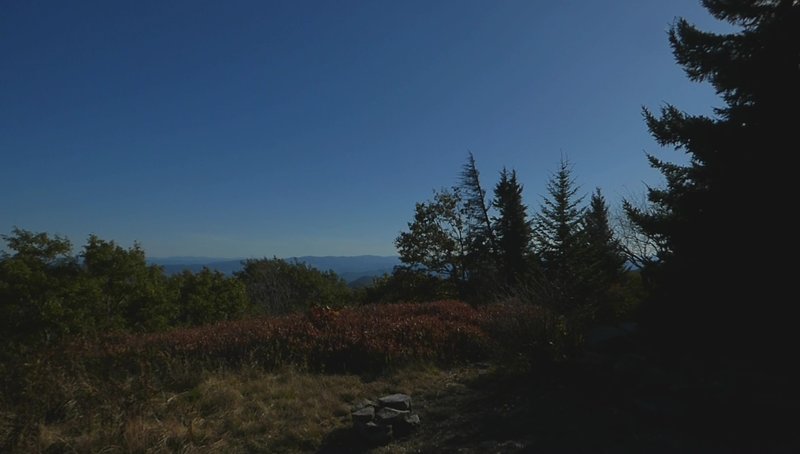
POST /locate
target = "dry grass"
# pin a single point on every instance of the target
(249, 410)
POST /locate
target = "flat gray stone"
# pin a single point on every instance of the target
(364, 415)
(388, 415)
(396, 401)
(411, 420)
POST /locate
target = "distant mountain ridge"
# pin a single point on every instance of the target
(350, 268)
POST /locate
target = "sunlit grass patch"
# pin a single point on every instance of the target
(288, 410)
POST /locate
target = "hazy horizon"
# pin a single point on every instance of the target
(204, 258)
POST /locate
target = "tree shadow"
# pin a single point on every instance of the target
(344, 440)
(617, 400)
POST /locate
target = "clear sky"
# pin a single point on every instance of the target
(261, 128)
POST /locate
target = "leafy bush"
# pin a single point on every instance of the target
(408, 285)
(208, 296)
(277, 286)
(47, 294)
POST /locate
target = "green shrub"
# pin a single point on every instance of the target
(277, 286)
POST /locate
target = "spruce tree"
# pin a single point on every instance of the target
(512, 229)
(557, 237)
(604, 257)
(716, 278)
(480, 238)
(479, 222)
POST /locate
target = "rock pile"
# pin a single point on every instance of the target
(391, 416)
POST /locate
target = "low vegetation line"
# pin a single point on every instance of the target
(352, 339)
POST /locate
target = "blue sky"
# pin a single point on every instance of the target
(248, 129)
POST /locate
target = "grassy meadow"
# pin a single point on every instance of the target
(269, 384)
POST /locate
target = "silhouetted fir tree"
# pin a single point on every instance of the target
(557, 238)
(512, 229)
(604, 255)
(480, 239)
(479, 222)
(719, 216)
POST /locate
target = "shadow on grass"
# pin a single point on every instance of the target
(617, 402)
(344, 440)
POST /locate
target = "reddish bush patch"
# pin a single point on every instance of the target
(354, 338)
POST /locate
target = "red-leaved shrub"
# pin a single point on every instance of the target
(349, 339)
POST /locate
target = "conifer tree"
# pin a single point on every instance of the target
(557, 237)
(716, 215)
(479, 224)
(512, 229)
(605, 260)
(481, 243)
